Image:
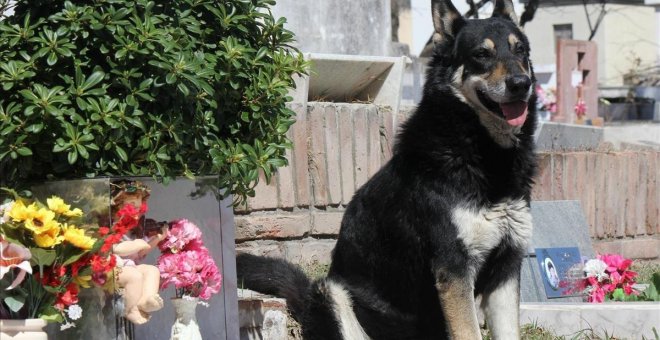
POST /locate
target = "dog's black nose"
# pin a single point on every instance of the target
(518, 84)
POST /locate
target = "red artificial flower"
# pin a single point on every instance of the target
(104, 231)
(68, 298)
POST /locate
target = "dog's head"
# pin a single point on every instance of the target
(489, 64)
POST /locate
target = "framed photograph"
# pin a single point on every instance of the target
(559, 268)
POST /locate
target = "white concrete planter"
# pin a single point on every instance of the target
(627, 320)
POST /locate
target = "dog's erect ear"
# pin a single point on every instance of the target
(504, 9)
(446, 20)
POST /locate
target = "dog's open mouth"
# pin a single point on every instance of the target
(515, 112)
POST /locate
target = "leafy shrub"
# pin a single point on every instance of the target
(166, 89)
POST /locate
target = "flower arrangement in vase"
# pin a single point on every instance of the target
(47, 258)
(188, 265)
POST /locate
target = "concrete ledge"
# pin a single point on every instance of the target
(627, 320)
(261, 316)
(552, 136)
(352, 78)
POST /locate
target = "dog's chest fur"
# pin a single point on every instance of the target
(481, 229)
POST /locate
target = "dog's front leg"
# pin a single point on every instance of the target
(457, 298)
(502, 310)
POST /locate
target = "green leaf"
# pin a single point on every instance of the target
(618, 294)
(52, 59)
(93, 79)
(170, 78)
(23, 151)
(72, 157)
(42, 257)
(15, 302)
(121, 153)
(73, 258)
(51, 314)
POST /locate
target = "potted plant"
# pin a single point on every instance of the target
(144, 88)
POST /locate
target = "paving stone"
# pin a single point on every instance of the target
(265, 194)
(644, 248)
(332, 154)
(271, 225)
(361, 143)
(285, 184)
(346, 150)
(375, 151)
(542, 189)
(300, 156)
(317, 161)
(326, 223)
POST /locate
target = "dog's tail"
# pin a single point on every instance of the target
(276, 277)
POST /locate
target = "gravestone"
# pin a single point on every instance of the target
(556, 224)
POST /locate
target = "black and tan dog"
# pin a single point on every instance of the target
(447, 218)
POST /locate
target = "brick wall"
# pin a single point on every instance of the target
(619, 192)
(338, 146)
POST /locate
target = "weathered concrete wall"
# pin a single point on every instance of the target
(338, 146)
(339, 26)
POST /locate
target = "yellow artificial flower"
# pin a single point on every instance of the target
(18, 212)
(74, 213)
(57, 205)
(48, 238)
(40, 220)
(83, 280)
(77, 237)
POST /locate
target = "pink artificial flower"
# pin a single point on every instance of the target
(14, 256)
(597, 295)
(580, 108)
(212, 279)
(181, 234)
(168, 265)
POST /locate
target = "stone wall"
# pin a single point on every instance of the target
(338, 146)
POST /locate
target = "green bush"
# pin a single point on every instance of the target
(166, 89)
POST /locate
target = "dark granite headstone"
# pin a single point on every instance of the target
(556, 224)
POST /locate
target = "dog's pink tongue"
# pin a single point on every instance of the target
(515, 112)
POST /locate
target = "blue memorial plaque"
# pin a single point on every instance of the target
(559, 268)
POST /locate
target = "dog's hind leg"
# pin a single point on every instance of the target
(501, 307)
(457, 300)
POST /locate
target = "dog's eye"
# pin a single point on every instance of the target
(520, 49)
(481, 54)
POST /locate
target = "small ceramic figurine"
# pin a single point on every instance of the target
(138, 282)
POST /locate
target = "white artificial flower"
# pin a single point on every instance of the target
(595, 268)
(67, 325)
(74, 312)
(4, 211)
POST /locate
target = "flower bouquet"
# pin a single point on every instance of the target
(607, 278)
(45, 260)
(186, 263)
